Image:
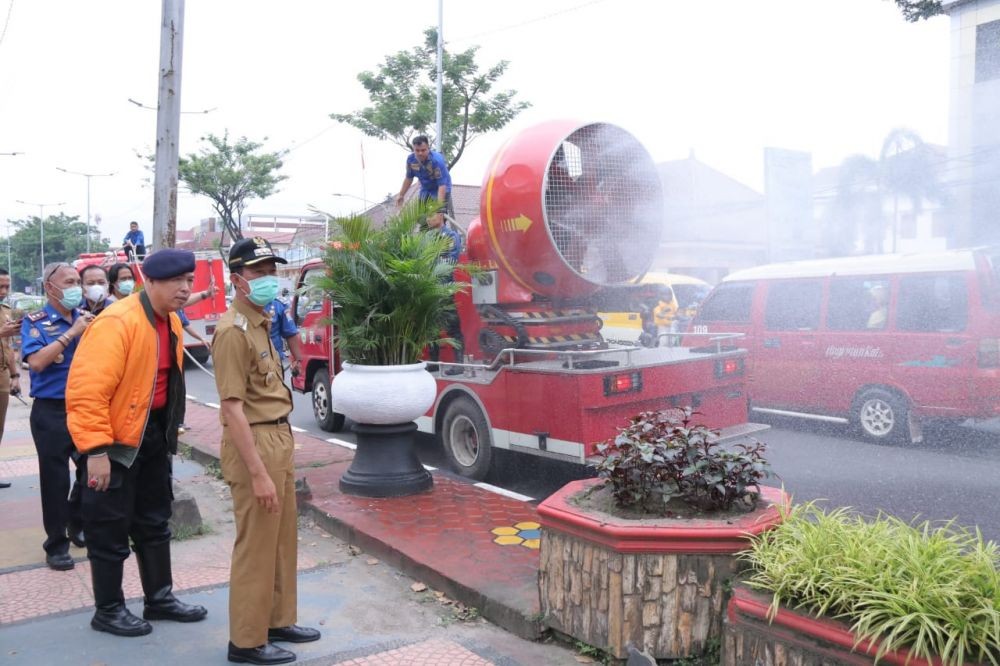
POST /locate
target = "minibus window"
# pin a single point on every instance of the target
(728, 302)
(933, 303)
(857, 304)
(793, 306)
(690, 295)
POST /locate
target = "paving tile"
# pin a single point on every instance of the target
(434, 652)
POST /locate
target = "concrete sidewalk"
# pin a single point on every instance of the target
(452, 541)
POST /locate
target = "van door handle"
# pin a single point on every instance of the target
(772, 343)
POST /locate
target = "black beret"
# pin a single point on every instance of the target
(250, 251)
(167, 263)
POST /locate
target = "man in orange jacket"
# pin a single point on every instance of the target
(124, 401)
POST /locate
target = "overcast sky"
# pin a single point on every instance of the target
(722, 79)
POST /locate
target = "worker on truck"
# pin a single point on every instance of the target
(431, 169)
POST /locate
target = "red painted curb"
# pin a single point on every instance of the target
(757, 606)
(658, 535)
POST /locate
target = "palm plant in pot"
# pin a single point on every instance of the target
(392, 293)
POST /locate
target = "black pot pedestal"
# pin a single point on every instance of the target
(385, 463)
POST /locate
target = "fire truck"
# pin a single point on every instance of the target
(570, 221)
(203, 315)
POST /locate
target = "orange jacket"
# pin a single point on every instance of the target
(111, 380)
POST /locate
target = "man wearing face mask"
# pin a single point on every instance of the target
(95, 289)
(256, 455)
(48, 341)
(121, 281)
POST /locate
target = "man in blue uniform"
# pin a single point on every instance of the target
(49, 339)
(283, 329)
(134, 243)
(431, 169)
(453, 326)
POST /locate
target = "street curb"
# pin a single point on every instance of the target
(500, 614)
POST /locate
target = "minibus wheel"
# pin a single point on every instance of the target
(881, 415)
(466, 440)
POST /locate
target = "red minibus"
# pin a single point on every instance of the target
(883, 342)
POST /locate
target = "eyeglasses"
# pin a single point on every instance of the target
(52, 268)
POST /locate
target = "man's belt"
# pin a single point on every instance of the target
(282, 421)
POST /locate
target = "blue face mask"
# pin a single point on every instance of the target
(126, 286)
(71, 297)
(263, 290)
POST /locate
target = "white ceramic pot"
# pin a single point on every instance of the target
(383, 394)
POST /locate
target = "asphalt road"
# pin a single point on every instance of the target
(954, 473)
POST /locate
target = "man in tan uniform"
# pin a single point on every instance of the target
(10, 369)
(257, 449)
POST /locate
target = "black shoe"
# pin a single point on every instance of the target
(117, 619)
(4, 484)
(60, 561)
(76, 537)
(173, 609)
(292, 634)
(264, 654)
(157, 585)
(453, 370)
(432, 367)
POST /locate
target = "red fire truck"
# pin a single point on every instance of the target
(570, 220)
(203, 314)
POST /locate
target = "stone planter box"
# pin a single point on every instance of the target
(657, 584)
(794, 638)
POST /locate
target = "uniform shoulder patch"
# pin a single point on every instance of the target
(240, 322)
(37, 315)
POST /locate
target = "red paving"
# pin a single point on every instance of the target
(443, 537)
(457, 538)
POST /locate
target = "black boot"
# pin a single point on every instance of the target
(158, 584)
(112, 615)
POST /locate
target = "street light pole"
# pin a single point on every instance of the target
(88, 176)
(41, 226)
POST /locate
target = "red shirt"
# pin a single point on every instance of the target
(163, 365)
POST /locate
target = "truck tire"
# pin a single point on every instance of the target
(466, 439)
(881, 416)
(327, 419)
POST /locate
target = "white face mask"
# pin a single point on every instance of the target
(96, 292)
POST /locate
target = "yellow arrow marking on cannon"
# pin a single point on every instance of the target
(520, 223)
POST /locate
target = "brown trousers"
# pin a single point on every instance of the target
(4, 398)
(262, 578)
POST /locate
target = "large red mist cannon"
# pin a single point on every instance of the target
(570, 217)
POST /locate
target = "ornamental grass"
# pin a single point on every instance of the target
(931, 589)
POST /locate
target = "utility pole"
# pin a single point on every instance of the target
(440, 78)
(88, 176)
(41, 227)
(168, 117)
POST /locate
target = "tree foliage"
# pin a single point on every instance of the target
(65, 240)
(404, 98)
(906, 169)
(915, 10)
(231, 174)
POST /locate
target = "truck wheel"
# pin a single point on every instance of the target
(881, 416)
(327, 419)
(466, 439)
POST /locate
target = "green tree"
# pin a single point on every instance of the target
(65, 240)
(906, 169)
(231, 174)
(915, 10)
(404, 98)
